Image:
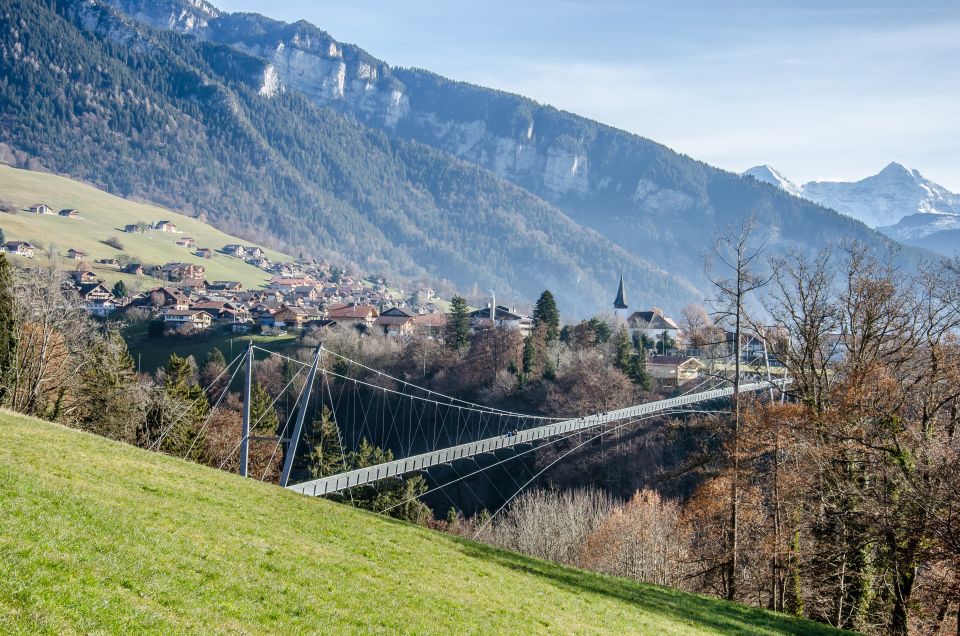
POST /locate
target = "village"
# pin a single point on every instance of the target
(309, 295)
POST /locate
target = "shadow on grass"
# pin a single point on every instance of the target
(685, 608)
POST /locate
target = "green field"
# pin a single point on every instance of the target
(104, 216)
(97, 537)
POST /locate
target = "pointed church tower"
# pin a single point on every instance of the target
(620, 302)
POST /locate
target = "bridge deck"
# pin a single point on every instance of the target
(360, 476)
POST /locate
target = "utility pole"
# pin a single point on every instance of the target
(245, 430)
(301, 415)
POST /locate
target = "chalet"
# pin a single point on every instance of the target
(198, 285)
(254, 251)
(108, 262)
(94, 291)
(81, 276)
(134, 268)
(261, 262)
(652, 324)
(395, 322)
(433, 325)
(41, 208)
(505, 318)
(20, 248)
(678, 369)
(97, 299)
(293, 316)
(75, 254)
(356, 315)
(165, 226)
(182, 271)
(234, 250)
(230, 286)
(223, 311)
(186, 241)
(194, 318)
(69, 213)
(306, 293)
(164, 297)
(204, 252)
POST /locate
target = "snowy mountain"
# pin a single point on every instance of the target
(898, 201)
(768, 174)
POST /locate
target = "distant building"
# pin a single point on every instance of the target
(165, 226)
(505, 317)
(75, 254)
(197, 319)
(186, 241)
(41, 208)
(235, 250)
(69, 213)
(396, 322)
(653, 323)
(20, 248)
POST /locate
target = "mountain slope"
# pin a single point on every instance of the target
(103, 216)
(202, 127)
(100, 537)
(898, 201)
(637, 193)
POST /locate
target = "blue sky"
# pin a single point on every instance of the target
(819, 91)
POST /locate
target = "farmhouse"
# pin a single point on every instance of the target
(234, 250)
(69, 213)
(396, 322)
(186, 241)
(41, 208)
(20, 248)
(165, 226)
(356, 315)
(75, 254)
(195, 318)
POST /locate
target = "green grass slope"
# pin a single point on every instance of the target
(99, 537)
(105, 215)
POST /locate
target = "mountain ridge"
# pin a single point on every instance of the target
(323, 147)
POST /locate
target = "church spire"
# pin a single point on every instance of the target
(621, 300)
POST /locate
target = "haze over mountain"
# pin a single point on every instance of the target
(280, 133)
(898, 201)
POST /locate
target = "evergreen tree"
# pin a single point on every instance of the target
(545, 313)
(120, 289)
(8, 332)
(458, 324)
(192, 408)
(529, 355)
(325, 452)
(600, 328)
(215, 356)
(622, 349)
(263, 417)
(3, 238)
(637, 371)
(111, 403)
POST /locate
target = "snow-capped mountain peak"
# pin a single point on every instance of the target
(769, 174)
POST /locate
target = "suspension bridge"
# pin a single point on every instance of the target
(407, 417)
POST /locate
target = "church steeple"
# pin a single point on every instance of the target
(621, 300)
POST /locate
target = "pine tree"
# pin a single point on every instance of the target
(325, 452)
(192, 403)
(622, 349)
(3, 238)
(119, 289)
(545, 313)
(8, 332)
(110, 398)
(263, 417)
(458, 324)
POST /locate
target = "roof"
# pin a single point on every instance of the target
(187, 312)
(620, 302)
(653, 319)
(502, 314)
(674, 361)
(86, 288)
(351, 311)
(431, 320)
